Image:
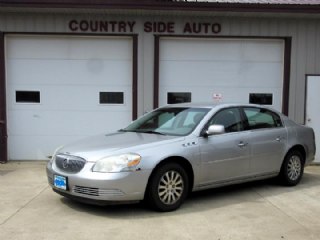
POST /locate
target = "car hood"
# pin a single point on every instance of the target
(96, 147)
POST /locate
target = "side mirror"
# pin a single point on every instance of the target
(215, 130)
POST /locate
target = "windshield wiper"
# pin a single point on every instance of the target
(125, 130)
(122, 130)
(139, 131)
(152, 132)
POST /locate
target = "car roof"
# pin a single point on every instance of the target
(212, 105)
(218, 106)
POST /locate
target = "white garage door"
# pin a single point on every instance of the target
(225, 70)
(60, 89)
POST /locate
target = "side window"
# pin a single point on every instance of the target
(262, 118)
(230, 118)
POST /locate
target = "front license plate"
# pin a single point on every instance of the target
(60, 182)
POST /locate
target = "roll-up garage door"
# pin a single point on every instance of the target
(63, 88)
(221, 70)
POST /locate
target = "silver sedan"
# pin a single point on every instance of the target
(176, 149)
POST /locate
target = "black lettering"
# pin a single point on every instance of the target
(216, 28)
(187, 28)
(196, 27)
(170, 27)
(94, 26)
(73, 25)
(131, 25)
(84, 26)
(113, 25)
(148, 27)
(103, 26)
(122, 27)
(206, 27)
(161, 27)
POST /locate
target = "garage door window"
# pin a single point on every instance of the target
(178, 97)
(27, 96)
(111, 97)
(261, 98)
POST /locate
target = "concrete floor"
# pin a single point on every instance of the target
(29, 209)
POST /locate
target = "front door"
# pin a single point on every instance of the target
(312, 108)
(225, 157)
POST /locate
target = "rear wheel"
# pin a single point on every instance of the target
(168, 187)
(292, 168)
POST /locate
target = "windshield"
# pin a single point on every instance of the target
(169, 121)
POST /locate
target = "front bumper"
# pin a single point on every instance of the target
(101, 188)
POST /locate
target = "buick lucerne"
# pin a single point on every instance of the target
(179, 148)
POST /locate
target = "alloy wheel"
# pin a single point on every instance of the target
(171, 187)
(294, 167)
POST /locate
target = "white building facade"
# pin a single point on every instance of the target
(68, 70)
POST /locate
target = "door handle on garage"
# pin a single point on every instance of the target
(242, 144)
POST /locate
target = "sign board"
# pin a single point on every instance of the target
(217, 97)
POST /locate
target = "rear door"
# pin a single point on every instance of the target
(267, 140)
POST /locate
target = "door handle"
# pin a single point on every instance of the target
(278, 139)
(242, 144)
(2, 122)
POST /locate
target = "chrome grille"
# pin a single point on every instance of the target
(97, 191)
(70, 164)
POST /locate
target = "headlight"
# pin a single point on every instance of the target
(119, 163)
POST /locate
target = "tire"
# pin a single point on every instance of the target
(292, 168)
(168, 187)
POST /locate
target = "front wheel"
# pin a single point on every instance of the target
(168, 187)
(292, 168)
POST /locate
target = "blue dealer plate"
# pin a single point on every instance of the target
(60, 182)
